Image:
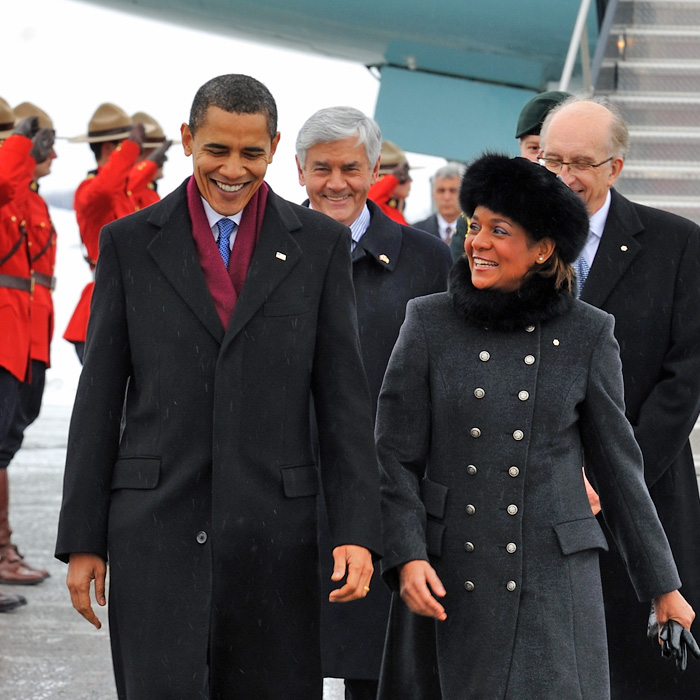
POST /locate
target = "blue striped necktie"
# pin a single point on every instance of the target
(582, 271)
(226, 227)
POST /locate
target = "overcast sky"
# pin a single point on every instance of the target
(67, 57)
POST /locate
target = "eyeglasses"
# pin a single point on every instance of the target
(576, 168)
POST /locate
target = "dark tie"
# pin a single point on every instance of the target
(582, 271)
(448, 233)
(226, 227)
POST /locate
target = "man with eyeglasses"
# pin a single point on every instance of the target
(644, 268)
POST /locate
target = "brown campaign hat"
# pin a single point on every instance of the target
(154, 131)
(7, 119)
(391, 156)
(27, 109)
(108, 123)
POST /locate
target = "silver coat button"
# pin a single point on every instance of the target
(529, 329)
(523, 395)
(201, 537)
(529, 359)
(512, 509)
(471, 469)
(511, 585)
(470, 509)
(518, 435)
(475, 432)
(511, 547)
(469, 586)
(514, 471)
(484, 356)
(479, 393)
(469, 546)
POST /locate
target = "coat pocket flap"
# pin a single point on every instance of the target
(578, 535)
(434, 532)
(434, 497)
(300, 481)
(287, 307)
(136, 473)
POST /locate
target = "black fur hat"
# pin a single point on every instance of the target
(530, 195)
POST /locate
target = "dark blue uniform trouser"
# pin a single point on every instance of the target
(20, 403)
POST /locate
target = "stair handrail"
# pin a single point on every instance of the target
(579, 39)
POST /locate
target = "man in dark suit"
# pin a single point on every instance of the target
(223, 309)
(643, 266)
(445, 190)
(338, 151)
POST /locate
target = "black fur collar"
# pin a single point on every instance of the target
(535, 301)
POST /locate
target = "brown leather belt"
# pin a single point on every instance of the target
(26, 284)
(44, 280)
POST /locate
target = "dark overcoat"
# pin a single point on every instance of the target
(646, 273)
(430, 225)
(480, 435)
(391, 265)
(207, 506)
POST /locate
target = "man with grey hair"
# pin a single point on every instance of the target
(643, 266)
(445, 189)
(338, 151)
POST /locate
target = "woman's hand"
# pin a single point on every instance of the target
(673, 606)
(592, 495)
(418, 579)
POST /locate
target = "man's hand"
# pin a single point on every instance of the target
(400, 172)
(592, 494)
(138, 134)
(357, 562)
(673, 606)
(417, 579)
(82, 569)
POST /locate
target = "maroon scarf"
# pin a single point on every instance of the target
(225, 286)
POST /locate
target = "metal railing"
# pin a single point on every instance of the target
(579, 40)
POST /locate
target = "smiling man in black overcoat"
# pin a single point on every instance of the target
(223, 309)
(338, 151)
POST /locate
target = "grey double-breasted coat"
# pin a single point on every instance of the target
(480, 437)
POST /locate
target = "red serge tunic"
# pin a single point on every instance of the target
(99, 200)
(16, 171)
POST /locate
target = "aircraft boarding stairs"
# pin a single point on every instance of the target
(651, 70)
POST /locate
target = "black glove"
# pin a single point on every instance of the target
(138, 134)
(676, 641)
(27, 127)
(43, 145)
(158, 155)
(400, 172)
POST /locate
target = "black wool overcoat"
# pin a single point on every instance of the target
(206, 507)
(391, 265)
(480, 435)
(646, 273)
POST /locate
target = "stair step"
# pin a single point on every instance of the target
(655, 43)
(650, 76)
(676, 111)
(678, 146)
(657, 13)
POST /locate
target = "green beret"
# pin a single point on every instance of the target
(533, 113)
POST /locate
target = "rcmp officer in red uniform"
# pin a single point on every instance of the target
(27, 148)
(145, 174)
(104, 195)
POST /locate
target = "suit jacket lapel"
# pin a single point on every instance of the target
(616, 251)
(173, 250)
(382, 239)
(276, 254)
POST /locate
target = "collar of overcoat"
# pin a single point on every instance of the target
(173, 250)
(618, 248)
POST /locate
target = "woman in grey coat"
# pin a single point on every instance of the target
(496, 393)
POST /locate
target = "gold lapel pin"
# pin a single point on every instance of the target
(280, 256)
(383, 258)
